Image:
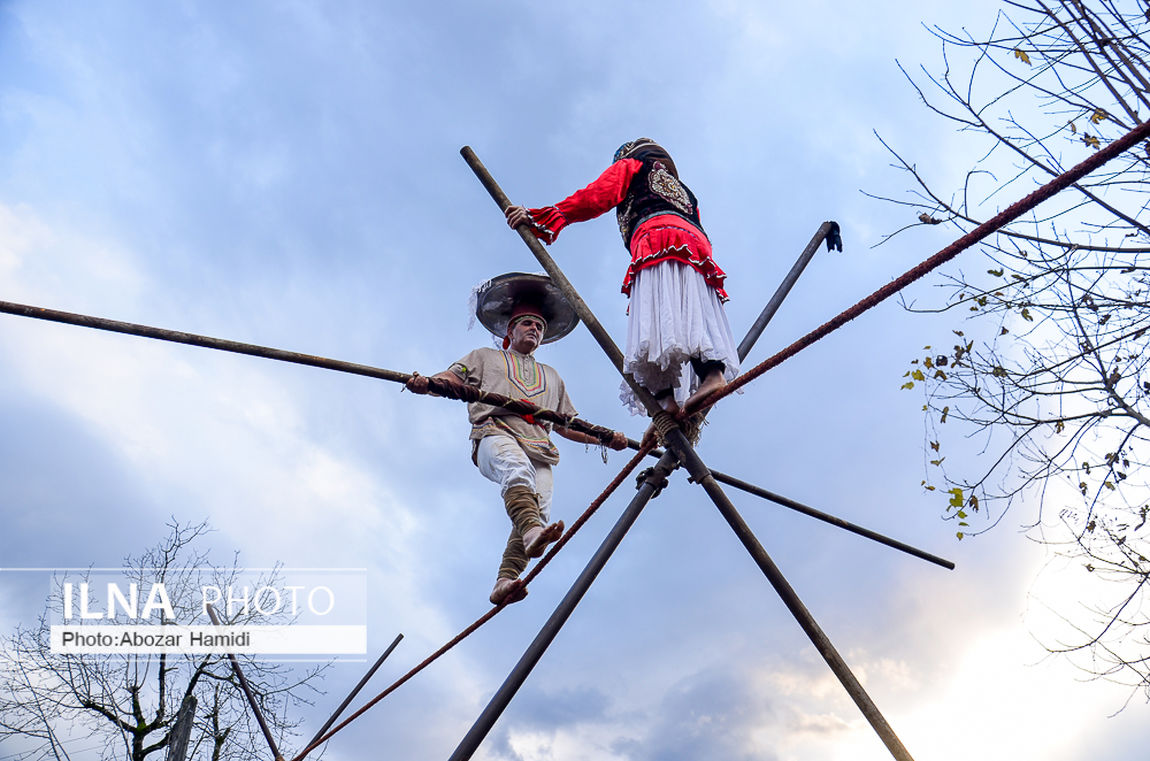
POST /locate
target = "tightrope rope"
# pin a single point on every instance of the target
(1003, 218)
(646, 447)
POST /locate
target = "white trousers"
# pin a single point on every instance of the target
(502, 460)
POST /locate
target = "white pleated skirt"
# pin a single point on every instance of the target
(673, 316)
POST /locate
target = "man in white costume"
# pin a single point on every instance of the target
(515, 451)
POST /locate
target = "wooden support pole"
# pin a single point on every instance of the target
(181, 730)
(192, 339)
(698, 470)
(254, 350)
(819, 515)
(827, 231)
(248, 692)
(687, 457)
(560, 280)
(351, 695)
(522, 669)
(437, 386)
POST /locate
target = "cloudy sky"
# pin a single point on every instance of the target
(287, 174)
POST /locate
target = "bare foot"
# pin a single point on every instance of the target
(536, 539)
(712, 382)
(508, 590)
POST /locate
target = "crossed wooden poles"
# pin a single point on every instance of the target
(681, 453)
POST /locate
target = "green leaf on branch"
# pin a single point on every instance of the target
(956, 498)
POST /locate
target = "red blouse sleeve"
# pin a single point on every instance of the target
(602, 195)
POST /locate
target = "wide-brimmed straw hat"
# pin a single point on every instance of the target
(495, 300)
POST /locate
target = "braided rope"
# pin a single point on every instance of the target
(1003, 218)
(466, 393)
(595, 505)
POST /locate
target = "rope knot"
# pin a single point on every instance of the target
(664, 422)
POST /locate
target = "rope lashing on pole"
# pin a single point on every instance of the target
(459, 392)
(992, 225)
(531, 575)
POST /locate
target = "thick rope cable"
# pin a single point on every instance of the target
(543, 561)
(466, 393)
(1003, 218)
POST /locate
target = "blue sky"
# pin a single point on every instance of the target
(288, 174)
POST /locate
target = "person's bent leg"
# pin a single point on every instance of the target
(507, 585)
(502, 460)
(711, 374)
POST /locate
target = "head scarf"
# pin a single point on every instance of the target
(626, 149)
(520, 311)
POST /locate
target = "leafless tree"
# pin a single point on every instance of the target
(1040, 399)
(124, 706)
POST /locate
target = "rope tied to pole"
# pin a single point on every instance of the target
(664, 423)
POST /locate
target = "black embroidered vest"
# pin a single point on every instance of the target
(654, 190)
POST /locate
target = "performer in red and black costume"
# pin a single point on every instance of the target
(679, 344)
